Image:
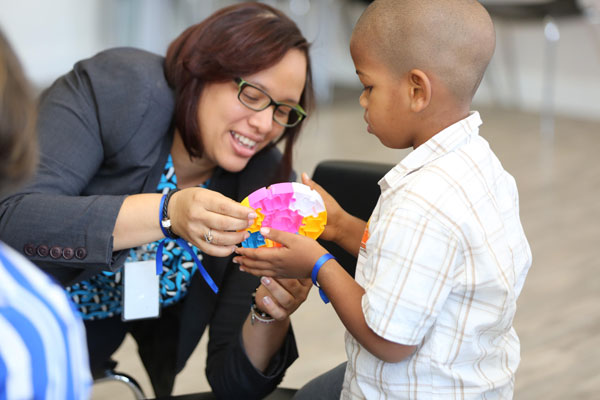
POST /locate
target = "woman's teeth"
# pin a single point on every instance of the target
(244, 141)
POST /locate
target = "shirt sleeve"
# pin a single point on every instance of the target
(408, 274)
(228, 369)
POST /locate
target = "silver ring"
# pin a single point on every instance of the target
(208, 236)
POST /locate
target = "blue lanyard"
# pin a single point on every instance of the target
(183, 244)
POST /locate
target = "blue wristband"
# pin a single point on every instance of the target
(315, 271)
(160, 215)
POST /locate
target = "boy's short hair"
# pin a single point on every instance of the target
(453, 40)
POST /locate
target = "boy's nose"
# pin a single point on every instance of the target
(362, 100)
(262, 120)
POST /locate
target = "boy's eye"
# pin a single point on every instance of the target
(367, 89)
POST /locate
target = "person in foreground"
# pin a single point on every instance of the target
(137, 148)
(443, 257)
(42, 339)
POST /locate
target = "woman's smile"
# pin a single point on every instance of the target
(242, 145)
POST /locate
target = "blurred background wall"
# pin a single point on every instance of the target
(50, 36)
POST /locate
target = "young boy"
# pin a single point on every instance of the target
(443, 257)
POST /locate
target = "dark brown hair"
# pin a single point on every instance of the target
(235, 41)
(18, 145)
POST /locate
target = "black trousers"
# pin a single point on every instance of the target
(104, 337)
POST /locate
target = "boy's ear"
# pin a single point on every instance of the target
(420, 90)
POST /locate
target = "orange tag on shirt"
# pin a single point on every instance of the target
(365, 237)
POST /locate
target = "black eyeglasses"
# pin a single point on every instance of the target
(257, 99)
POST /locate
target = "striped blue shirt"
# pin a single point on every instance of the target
(43, 352)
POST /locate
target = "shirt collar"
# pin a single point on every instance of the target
(444, 142)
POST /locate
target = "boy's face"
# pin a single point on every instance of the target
(385, 98)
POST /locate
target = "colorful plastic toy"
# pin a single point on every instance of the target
(291, 207)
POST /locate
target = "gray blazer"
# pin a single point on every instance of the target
(105, 132)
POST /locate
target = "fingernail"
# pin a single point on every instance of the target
(246, 235)
(267, 300)
(242, 269)
(266, 281)
(252, 215)
(305, 176)
(265, 231)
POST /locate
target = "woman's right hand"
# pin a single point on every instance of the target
(209, 220)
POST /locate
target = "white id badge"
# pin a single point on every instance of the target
(140, 290)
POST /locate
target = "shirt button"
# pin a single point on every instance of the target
(68, 253)
(29, 249)
(43, 250)
(80, 253)
(55, 252)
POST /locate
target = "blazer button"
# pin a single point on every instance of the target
(80, 253)
(55, 252)
(68, 253)
(43, 250)
(29, 249)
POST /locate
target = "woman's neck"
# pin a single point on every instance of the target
(189, 171)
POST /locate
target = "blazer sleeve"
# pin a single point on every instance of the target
(85, 120)
(228, 369)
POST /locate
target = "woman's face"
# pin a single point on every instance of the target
(231, 132)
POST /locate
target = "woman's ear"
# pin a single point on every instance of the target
(420, 90)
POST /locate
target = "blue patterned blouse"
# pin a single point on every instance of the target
(101, 296)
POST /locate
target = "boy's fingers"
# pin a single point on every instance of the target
(277, 235)
(266, 255)
(310, 183)
(257, 271)
(305, 179)
(246, 262)
(251, 271)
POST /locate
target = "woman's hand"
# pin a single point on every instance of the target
(294, 259)
(278, 298)
(281, 297)
(212, 222)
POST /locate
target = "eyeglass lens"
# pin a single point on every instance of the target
(258, 100)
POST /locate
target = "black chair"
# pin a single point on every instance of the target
(278, 394)
(354, 184)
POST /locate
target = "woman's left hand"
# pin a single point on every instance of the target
(281, 297)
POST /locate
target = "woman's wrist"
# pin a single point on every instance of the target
(165, 220)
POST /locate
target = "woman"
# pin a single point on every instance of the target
(119, 132)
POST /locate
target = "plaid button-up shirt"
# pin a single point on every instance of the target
(443, 261)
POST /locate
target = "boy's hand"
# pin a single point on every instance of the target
(335, 213)
(295, 259)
